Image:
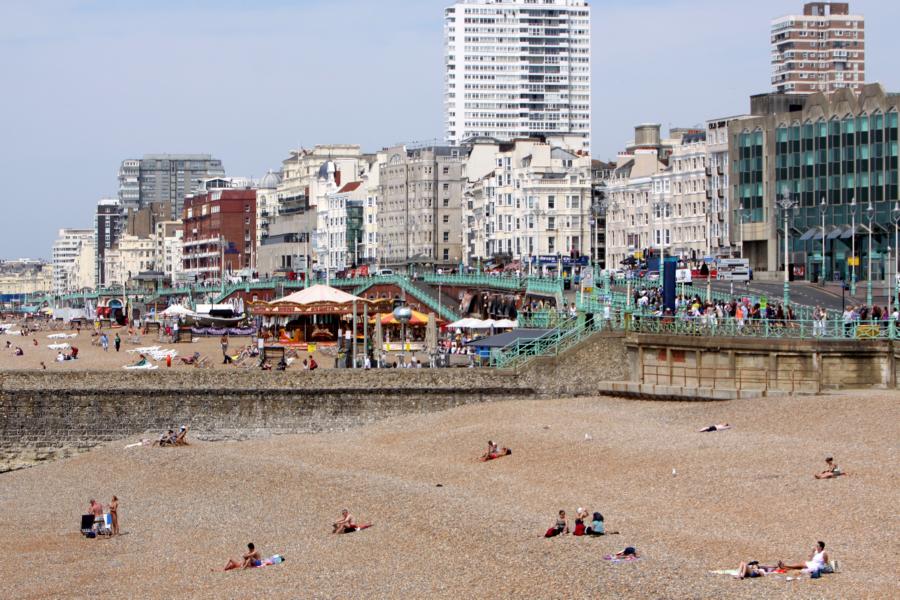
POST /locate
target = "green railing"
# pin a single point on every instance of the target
(444, 311)
(830, 330)
(537, 285)
(516, 354)
(475, 279)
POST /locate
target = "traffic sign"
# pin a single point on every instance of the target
(853, 261)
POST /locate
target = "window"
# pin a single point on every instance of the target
(446, 202)
(446, 236)
(446, 218)
(551, 222)
(446, 254)
(551, 244)
(551, 202)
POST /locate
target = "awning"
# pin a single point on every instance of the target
(848, 233)
(834, 233)
(809, 234)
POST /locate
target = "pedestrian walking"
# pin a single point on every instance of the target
(117, 342)
(104, 342)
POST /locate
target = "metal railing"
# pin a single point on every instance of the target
(505, 282)
(738, 378)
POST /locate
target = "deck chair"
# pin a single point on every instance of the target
(87, 526)
(104, 524)
(202, 362)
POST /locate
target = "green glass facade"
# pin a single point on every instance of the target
(854, 157)
(840, 160)
(750, 176)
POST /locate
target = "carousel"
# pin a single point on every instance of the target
(314, 314)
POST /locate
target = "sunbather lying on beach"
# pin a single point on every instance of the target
(494, 451)
(831, 472)
(250, 559)
(748, 570)
(719, 427)
(142, 362)
(628, 553)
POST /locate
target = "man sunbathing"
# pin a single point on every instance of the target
(166, 439)
(345, 524)
(251, 559)
(818, 561)
(831, 472)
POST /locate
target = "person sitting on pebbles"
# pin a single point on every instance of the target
(494, 451)
(249, 560)
(561, 526)
(831, 472)
(346, 524)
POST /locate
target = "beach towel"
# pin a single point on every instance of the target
(732, 572)
(614, 559)
(275, 559)
(147, 367)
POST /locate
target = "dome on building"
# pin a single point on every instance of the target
(270, 180)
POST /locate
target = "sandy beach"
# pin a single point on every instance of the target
(446, 525)
(92, 357)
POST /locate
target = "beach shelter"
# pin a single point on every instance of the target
(176, 310)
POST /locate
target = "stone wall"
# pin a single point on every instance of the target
(788, 365)
(48, 415)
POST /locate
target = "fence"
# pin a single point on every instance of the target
(740, 378)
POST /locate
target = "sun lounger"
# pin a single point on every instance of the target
(144, 367)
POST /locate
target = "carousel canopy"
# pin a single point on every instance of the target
(317, 294)
(315, 300)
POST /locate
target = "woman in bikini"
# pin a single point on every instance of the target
(114, 515)
(561, 526)
(831, 472)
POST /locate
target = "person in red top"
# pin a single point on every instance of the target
(313, 365)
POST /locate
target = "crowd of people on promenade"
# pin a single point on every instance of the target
(743, 311)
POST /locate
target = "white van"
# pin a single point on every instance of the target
(385, 272)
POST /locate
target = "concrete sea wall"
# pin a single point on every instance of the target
(45, 416)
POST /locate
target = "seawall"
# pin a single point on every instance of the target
(48, 415)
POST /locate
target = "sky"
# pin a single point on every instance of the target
(85, 84)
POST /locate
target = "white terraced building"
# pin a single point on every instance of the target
(518, 69)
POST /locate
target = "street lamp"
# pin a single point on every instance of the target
(787, 203)
(853, 246)
(896, 217)
(870, 216)
(823, 208)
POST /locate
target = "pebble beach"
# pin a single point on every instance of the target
(448, 526)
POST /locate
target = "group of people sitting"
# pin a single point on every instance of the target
(817, 564)
(494, 451)
(170, 438)
(583, 526)
(64, 356)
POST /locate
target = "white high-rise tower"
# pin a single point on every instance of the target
(518, 68)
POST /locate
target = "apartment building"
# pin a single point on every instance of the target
(66, 256)
(109, 224)
(533, 206)
(518, 69)
(821, 50)
(420, 206)
(25, 276)
(219, 232)
(165, 178)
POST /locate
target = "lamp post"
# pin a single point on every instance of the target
(823, 208)
(853, 246)
(896, 217)
(786, 203)
(888, 291)
(870, 216)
